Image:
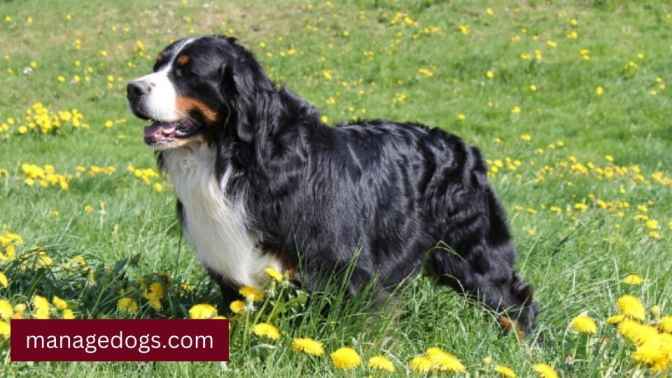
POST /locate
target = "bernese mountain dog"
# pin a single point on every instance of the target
(262, 182)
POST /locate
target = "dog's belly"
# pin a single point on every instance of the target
(215, 224)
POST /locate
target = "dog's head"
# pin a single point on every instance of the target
(197, 87)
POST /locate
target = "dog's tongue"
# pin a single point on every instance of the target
(159, 129)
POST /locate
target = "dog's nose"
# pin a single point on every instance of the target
(136, 89)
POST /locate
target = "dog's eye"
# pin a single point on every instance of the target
(179, 72)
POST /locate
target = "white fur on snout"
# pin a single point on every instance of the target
(160, 102)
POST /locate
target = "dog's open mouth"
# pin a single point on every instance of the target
(160, 133)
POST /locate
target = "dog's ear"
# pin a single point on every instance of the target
(247, 90)
(237, 90)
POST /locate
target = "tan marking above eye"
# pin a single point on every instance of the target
(182, 60)
(186, 104)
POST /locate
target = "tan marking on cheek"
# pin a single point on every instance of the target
(186, 104)
(182, 60)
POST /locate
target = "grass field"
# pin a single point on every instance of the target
(568, 101)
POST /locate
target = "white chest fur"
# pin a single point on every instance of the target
(215, 224)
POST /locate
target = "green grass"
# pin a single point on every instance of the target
(575, 258)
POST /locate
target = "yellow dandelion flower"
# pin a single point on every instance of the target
(515, 109)
(202, 311)
(490, 74)
(632, 307)
(581, 207)
(237, 307)
(505, 372)
(636, 332)
(155, 290)
(6, 309)
(4, 282)
(584, 54)
(43, 260)
(19, 310)
(59, 303)
(308, 346)
(584, 324)
(274, 274)
(251, 293)
(400, 98)
(425, 72)
(545, 371)
(421, 364)
(4, 329)
(464, 29)
(40, 307)
(127, 304)
(68, 314)
(652, 225)
(266, 330)
(615, 319)
(154, 293)
(632, 279)
(538, 55)
(525, 137)
(599, 91)
(665, 324)
(655, 352)
(444, 361)
(381, 362)
(346, 358)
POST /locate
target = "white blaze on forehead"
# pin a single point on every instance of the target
(159, 103)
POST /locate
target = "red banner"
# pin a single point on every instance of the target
(119, 340)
